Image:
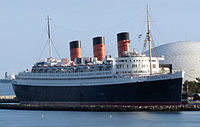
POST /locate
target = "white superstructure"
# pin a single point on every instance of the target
(133, 68)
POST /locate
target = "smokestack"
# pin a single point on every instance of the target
(99, 48)
(123, 44)
(75, 50)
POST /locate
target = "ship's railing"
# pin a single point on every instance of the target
(64, 75)
(71, 69)
(175, 74)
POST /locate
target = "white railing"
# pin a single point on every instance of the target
(65, 75)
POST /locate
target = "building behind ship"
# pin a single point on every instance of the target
(183, 55)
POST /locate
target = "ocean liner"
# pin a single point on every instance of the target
(130, 79)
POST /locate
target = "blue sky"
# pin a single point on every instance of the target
(23, 26)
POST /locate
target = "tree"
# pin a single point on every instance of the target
(192, 86)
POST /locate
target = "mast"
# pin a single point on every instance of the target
(49, 38)
(149, 39)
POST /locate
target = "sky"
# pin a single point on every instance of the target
(23, 26)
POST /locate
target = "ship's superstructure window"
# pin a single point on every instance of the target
(122, 60)
(143, 65)
(120, 66)
(134, 65)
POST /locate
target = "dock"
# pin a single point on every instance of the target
(102, 108)
(8, 99)
(10, 102)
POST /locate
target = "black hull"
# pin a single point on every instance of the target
(154, 92)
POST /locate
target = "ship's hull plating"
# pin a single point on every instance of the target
(154, 92)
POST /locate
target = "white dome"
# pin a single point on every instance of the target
(183, 56)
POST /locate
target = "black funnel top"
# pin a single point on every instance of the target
(122, 36)
(75, 44)
(98, 40)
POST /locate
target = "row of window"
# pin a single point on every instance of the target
(63, 78)
(129, 72)
(135, 60)
(71, 75)
(67, 71)
(134, 66)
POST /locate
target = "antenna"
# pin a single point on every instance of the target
(149, 39)
(49, 37)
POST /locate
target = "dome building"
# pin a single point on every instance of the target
(183, 56)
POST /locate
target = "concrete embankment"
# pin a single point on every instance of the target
(10, 102)
(102, 108)
(8, 99)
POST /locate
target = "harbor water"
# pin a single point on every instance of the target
(6, 89)
(27, 118)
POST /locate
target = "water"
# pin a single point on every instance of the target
(6, 89)
(25, 118)
(17, 118)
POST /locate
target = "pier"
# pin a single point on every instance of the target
(8, 99)
(10, 102)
